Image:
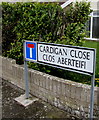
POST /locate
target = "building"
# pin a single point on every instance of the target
(93, 23)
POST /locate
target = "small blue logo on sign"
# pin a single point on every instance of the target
(30, 50)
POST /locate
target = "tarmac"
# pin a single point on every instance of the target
(0, 98)
(12, 110)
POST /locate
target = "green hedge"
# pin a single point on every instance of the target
(43, 22)
(46, 23)
(31, 21)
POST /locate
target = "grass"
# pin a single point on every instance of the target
(94, 44)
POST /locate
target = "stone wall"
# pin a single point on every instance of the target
(65, 94)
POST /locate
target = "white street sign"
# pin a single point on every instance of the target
(73, 58)
(70, 57)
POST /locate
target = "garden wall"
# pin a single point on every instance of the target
(65, 94)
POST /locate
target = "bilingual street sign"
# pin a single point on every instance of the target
(73, 58)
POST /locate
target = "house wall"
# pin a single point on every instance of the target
(67, 95)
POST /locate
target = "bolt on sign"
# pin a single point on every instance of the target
(73, 58)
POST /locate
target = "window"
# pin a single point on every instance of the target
(93, 25)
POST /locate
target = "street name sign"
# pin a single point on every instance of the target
(73, 58)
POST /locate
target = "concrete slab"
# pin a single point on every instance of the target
(25, 102)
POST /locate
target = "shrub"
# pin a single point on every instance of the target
(47, 23)
(9, 21)
(30, 21)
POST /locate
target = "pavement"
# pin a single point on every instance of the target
(0, 98)
(37, 110)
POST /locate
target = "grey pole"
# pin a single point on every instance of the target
(92, 97)
(26, 79)
(26, 74)
(92, 89)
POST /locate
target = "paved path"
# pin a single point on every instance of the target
(39, 109)
(0, 98)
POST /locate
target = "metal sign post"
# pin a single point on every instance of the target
(92, 97)
(26, 76)
(30, 46)
(92, 90)
(26, 79)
